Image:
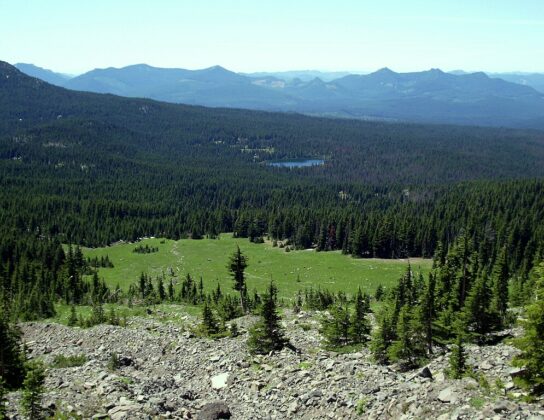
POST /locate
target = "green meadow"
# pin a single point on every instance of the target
(291, 271)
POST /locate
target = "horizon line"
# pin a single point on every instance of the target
(356, 72)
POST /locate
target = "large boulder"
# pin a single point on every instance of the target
(517, 372)
(425, 373)
(214, 411)
(220, 381)
(448, 395)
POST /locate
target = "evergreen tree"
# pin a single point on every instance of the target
(267, 334)
(461, 255)
(171, 291)
(237, 266)
(358, 245)
(427, 312)
(95, 288)
(457, 361)
(360, 325)
(11, 355)
(72, 320)
(404, 293)
(478, 318)
(532, 342)
(3, 399)
(419, 287)
(382, 338)
(160, 289)
(217, 294)
(142, 285)
(379, 293)
(322, 239)
(113, 319)
(200, 290)
(407, 348)
(209, 323)
(500, 284)
(33, 390)
(336, 327)
(97, 314)
(233, 329)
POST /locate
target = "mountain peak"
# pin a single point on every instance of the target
(479, 75)
(384, 71)
(139, 66)
(6, 66)
(8, 71)
(216, 68)
(41, 73)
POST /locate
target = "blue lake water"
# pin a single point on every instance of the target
(297, 163)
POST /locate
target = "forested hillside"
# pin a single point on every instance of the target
(93, 169)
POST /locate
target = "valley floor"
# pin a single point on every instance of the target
(165, 372)
(291, 271)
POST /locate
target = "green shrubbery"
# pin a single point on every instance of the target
(61, 361)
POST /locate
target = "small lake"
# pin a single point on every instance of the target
(297, 163)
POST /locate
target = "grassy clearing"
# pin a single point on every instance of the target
(291, 271)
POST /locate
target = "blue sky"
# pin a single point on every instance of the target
(75, 36)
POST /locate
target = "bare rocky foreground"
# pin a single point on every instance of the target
(165, 373)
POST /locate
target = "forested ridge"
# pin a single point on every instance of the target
(93, 169)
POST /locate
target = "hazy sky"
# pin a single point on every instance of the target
(74, 36)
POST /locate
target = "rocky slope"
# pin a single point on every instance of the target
(167, 373)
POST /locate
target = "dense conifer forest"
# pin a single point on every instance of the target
(92, 169)
(89, 170)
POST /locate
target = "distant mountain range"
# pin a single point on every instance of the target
(303, 75)
(427, 96)
(46, 75)
(534, 80)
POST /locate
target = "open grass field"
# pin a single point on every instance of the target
(291, 271)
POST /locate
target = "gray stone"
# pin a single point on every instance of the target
(293, 408)
(220, 381)
(448, 395)
(123, 412)
(501, 407)
(517, 372)
(214, 411)
(316, 393)
(125, 361)
(177, 384)
(440, 377)
(470, 383)
(256, 386)
(425, 373)
(485, 365)
(188, 395)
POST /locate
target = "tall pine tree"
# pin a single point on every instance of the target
(267, 334)
(33, 388)
(360, 325)
(500, 284)
(237, 266)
